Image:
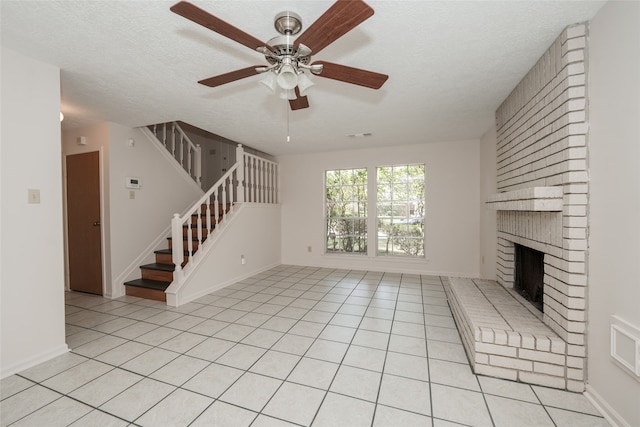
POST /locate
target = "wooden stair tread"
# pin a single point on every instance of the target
(161, 267)
(168, 252)
(148, 284)
(193, 239)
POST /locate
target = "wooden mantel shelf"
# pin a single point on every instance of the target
(537, 199)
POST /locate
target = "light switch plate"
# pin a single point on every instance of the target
(33, 196)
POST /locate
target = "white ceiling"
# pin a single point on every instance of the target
(450, 65)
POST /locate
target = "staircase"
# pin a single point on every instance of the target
(251, 180)
(156, 277)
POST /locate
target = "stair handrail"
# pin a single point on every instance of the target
(250, 179)
(193, 153)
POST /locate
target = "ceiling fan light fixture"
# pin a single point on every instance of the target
(269, 81)
(304, 83)
(287, 77)
(288, 94)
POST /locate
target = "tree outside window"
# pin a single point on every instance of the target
(346, 211)
(401, 210)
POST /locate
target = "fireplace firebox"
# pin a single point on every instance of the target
(529, 275)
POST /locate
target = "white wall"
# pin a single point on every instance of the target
(137, 223)
(488, 224)
(614, 242)
(31, 260)
(452, 236)
(252, 232)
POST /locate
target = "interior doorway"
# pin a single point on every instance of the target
(83, 222)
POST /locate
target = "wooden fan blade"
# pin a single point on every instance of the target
(204, 18)
(229, 77)
(352, 75)
(338, 20)
(300, 102)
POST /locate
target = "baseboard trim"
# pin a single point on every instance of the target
(33, 361)
(610, 414)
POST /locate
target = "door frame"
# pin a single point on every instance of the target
(106, 288)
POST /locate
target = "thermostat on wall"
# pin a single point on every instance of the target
(132, 182)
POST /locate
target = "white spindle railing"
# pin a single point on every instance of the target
(261, 183)
(250, 179)
(188, 154)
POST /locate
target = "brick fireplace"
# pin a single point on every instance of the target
(542, 204)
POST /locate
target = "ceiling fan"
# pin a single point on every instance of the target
(288, 56)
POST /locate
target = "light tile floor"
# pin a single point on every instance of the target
(290, 346)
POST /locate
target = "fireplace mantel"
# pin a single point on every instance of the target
(536, 199)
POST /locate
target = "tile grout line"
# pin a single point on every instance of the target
(426, 344)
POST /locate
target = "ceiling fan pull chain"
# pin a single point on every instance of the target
(288, 133)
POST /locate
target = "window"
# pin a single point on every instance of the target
(346, 211)
(400, 207)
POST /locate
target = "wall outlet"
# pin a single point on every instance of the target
(242, 260)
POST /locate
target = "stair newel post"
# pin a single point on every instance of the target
(240, 173)
(177, 251)
(198, 160)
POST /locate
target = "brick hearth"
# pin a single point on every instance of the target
(503, 337)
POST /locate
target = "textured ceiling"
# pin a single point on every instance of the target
(450, 65)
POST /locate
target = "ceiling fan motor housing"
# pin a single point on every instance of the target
(284, 46)
(287, 23)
